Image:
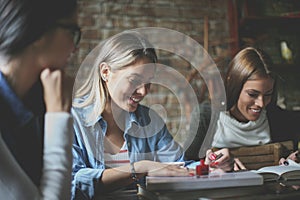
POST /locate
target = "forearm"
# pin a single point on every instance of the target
(56, 179)
(122, 176)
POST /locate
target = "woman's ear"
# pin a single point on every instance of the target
(104, 71)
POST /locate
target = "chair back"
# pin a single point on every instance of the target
(255, 157)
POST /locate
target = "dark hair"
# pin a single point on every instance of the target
(247, 64)
(24, 21)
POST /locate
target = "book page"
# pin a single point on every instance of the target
(279, 170)
(293, 163)
(287, 172)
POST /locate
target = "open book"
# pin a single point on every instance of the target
(224, 180)
(289, 172)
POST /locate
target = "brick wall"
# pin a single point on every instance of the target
(101, 19)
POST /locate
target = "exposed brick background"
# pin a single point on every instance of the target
(101, 19)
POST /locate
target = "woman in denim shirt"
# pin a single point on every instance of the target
(117, 140)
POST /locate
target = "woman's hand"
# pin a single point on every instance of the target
(57, 90)
(160, 169)
(238, 165)
(219, 160)
(293, 156)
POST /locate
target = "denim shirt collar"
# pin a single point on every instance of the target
(20, 113)
(130, 119)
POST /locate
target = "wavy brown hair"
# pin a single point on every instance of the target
(249, 63)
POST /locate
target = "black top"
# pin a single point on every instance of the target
(22, 125)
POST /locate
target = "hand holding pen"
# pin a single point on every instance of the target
(219, 159)
(292, 160)
(295, 156)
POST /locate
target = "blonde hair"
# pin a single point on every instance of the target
(118, 52)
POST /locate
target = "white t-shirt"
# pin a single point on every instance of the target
(117, 160)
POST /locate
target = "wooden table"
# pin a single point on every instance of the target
(264, 192)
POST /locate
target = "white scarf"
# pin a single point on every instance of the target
(232, 133)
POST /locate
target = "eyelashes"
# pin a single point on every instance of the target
(255, 95)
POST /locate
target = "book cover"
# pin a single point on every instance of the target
(224, 180)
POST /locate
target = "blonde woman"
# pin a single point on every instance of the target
(117, 140)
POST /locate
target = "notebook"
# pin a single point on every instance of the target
(225, 180)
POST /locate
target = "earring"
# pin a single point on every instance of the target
(104, 78)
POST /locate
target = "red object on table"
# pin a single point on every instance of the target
(202, 168)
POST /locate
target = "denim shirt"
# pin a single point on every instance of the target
(21, 128)
(145, 134)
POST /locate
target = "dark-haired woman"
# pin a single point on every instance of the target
(252, 117)
(37, 38)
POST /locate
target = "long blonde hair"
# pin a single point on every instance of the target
(118, 52)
